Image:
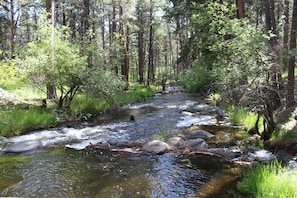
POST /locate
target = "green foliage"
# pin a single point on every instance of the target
(285, 134)
(88, 104)
(163, 73)
(136, 94)
(52, 60)
(104, 83)
(17, 121)
(163, 135)
(196, 78)
(11, 76)
(268, 180)
(244, 117)
(29, 93)
(91, 104)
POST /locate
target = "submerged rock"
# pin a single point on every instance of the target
(156, 146)
(195, 144)
(199, 134)
(23, 146)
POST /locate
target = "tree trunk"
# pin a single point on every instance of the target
(141, 54)
(151, 75)
(50, 87)
(267, 15)
(286, 34)
(113, 30)
(291, 65)
(127, 58)
(124, 47)
(14, 18)
(240, 9)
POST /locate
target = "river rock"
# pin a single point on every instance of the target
(261, 155)
(156, 146)
(3, 139)
(23, 146)
(122, 142)
(195, 144)
(175, 141)
(199, 134)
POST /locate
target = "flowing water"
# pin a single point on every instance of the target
(63, 167)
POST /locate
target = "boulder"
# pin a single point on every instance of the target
(23, 146)
(155, 146)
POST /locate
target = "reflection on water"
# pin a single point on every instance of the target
(96, 173)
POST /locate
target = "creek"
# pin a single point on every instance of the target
(64, 167)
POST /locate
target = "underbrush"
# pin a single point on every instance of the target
(268, 180)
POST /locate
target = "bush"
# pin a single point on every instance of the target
(10, 75)
(196, 78)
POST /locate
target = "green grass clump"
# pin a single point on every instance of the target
(268, 180)
(17, 121)
(88, 104)
(162, 136)
(244, 117)
(135, 94)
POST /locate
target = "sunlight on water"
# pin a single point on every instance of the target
(188, 121)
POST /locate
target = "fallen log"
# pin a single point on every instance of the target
(137, 148)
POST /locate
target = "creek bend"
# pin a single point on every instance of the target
(64, 167)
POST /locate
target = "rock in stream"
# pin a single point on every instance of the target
(23, 146)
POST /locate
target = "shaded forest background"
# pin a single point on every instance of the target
(244, 50)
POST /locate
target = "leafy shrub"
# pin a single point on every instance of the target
(196, 78)
(10, 75)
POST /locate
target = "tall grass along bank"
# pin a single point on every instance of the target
(268, 180)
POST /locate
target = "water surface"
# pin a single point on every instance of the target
(65, 168)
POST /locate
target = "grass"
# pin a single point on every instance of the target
(268, 180)
(17, 121)
(244, 117)
(88, 104)
(137, 93)
(163, 135)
